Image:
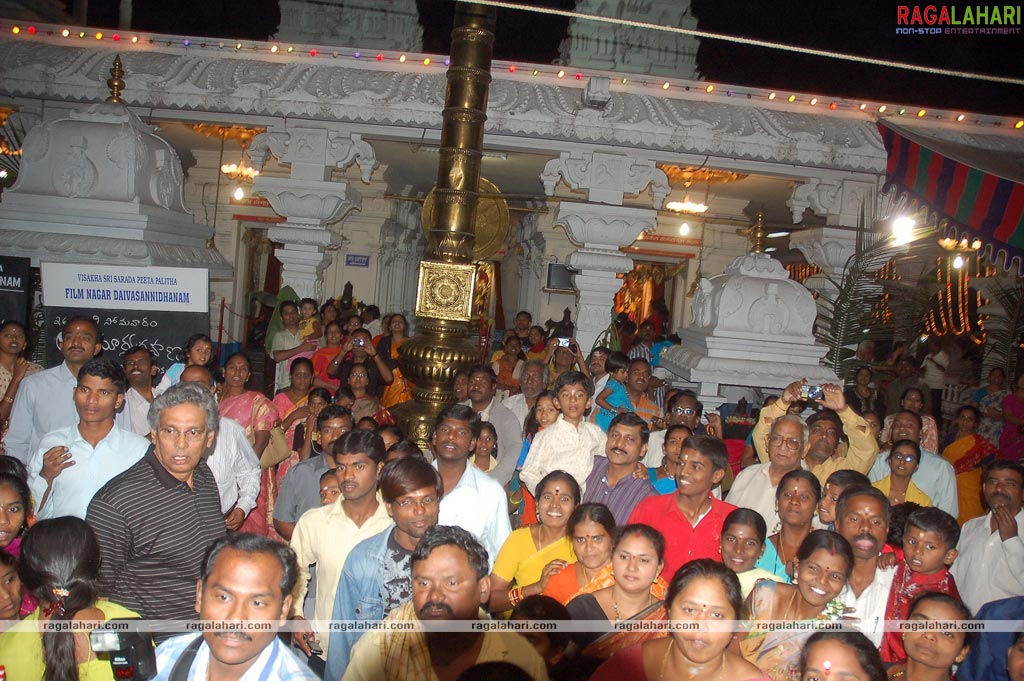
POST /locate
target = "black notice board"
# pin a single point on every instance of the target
(14, 283)
(162, 332)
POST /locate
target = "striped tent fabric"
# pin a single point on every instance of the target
(966, 191)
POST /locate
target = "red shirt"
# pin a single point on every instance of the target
(683, 542)
(907, 585)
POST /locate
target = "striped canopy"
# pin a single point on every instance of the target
(978, 192)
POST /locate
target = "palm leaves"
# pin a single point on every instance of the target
(1005, 324)
(847, 314)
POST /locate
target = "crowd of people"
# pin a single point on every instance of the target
(556, 487)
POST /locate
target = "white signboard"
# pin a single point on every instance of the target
(109, 287)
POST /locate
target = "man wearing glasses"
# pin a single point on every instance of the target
(682, 408)
(825, 429)
(155, 520)
(377, 577)
(754, 487)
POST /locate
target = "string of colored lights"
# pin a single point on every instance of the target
(138, 40)
(620, 21)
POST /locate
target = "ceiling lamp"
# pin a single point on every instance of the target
(236, 172)
(239, 171)
(687, 176)
(686, 206)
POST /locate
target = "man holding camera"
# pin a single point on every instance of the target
(825, 430)
(245, 585)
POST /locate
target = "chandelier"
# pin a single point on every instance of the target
(236, 172)
(239, 171)
(687, 176)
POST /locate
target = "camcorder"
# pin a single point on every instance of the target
(132, 654)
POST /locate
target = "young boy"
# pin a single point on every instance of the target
(929, 548)
(330, 488)
(614, 399)
(834, 486)
(570, 443)
(309, 324)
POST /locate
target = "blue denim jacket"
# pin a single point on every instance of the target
(357, 598)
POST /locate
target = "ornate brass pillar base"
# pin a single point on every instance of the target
(430, 360)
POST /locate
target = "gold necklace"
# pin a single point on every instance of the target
(664, 659)
(615, 606)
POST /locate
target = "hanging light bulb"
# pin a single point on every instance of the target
(239, 193)
(684, 229)
(958, 262)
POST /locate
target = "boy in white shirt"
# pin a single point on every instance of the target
(570, 443)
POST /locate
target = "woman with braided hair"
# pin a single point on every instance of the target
(59, 565)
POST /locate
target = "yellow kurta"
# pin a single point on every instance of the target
(21, 647)
(520, 560)
(914, 493)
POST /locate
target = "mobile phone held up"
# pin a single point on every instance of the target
(811, 392)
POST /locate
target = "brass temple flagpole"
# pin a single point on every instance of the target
(444, 294)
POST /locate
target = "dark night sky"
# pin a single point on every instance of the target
(866, 27)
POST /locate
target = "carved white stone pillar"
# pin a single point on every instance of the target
(308, 207)
(529, 259)
(307, 200)
(828, 248)
(838, 199)
(602, 227)
(599, 231)
(845, 203)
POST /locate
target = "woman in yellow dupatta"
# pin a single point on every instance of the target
(531, 555)
(399, 390)
(966, 453)
(636, 593)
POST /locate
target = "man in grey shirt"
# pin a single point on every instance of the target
(482, 386)
(300, 490)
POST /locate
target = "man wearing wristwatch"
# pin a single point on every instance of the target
(358, 349)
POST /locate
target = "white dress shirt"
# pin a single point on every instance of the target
(519, 408)
(75, 486)
(46, 402)
(284, 340)
(655, 449)
(934, 475)
(599, 386)
(136, 409)
(478, 505)
(565, 447)
(869, 607)
(235, 467)
(753, 489)
(987, 568)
